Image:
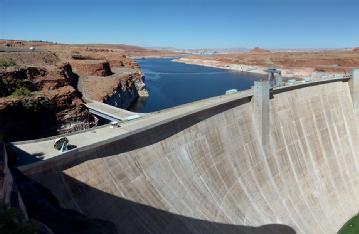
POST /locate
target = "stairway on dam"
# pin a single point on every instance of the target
(208, 171)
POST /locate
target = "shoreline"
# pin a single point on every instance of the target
(156, 57)
(298, 73)
(218, 64)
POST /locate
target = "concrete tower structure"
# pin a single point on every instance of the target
(354, 89)
(261, 109)
(274, 77)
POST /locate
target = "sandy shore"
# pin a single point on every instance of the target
(222, 65)
(289, 73)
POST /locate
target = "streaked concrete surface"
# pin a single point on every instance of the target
(205, 170)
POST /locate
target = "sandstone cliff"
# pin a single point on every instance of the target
(92, 67)
(39, 97)
(258, 50)
(127, 91)
(118, 83)
(40, 101)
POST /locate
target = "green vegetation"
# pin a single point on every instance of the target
(351, 227)
(15, 87)
(20, 92)
(10, 222)
(37, 105)
(7, 62)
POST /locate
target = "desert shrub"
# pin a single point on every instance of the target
(4, 62)
(22, 91)
(34, 106)
(15, 87)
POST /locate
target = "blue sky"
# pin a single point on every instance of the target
(184, 23)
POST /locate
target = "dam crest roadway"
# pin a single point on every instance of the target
(256, 161)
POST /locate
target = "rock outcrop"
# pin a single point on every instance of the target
(92, 67)
(39, 98)
(113, 59)
(122, 61)
(258, 50)
(121, 88)
(39, 102)
(127, 91)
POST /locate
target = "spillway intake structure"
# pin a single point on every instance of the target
(212, 171)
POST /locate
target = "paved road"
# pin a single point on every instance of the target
(6, 49)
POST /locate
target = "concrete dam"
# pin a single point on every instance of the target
(283, 162)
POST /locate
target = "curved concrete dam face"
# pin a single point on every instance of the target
(209, 173)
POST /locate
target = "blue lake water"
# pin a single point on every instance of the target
(171, 84)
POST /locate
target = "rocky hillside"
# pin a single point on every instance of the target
(109, 77)
(38, 97)
(43, 85)
(258, 50)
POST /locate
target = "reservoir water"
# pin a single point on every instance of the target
(171, 83)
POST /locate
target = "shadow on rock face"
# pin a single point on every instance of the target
(19, 122)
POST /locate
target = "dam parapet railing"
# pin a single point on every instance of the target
(89, 140)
